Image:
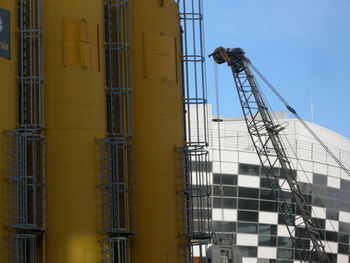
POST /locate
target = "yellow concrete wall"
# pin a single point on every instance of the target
(158, 130)
(8, 117)
(75, 118)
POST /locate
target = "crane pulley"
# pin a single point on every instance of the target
(264, 134)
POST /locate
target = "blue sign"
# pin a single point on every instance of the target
(4, 33)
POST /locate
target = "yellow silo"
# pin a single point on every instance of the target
(61, 112)
(158, 130)
(75, 119)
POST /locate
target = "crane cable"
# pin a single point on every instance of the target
(293, 111)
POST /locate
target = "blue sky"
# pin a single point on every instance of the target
(301, 46)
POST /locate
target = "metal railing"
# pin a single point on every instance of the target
(195, 180)
(26, 143)
(116, 180)
(22, 248)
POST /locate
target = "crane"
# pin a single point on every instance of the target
(264, 133)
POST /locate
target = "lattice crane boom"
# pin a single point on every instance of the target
(268, 145)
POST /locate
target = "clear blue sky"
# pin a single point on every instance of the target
(301, 46)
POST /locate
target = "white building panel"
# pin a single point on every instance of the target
(249, 181)
(230, 214)
(283, 231)
(305, 177)
(248, 157)
(267, 252)
(249, 260)
(320, 168)
(268, 218)
(330, 247)
(333, 182)
(332, 225)
(344, 217)
(217, 214)
(318, 212)
(247, 240)
(342, 259)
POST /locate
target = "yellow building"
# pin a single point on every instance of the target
(92, 117)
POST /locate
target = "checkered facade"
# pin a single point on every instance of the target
(244, 210)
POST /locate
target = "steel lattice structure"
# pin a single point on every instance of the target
(264, 134)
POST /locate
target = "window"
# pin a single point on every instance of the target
(225, 191)
(344, 227)
(345, 185)
(248, 216)
(320, 179)
(285, 242)
(305, 188)
(267, 194)
(265, 260)
(248, 169)
(267, 229)
(332, 214)
(229, 203)
(344, 238)
(248, 251)
(332, 236)
(284, 253)
(267, 241)
(343, 249)
(248, 204)
(268, 206)
(248, 192)
(230, 179)
(248, 228)
(201, 166)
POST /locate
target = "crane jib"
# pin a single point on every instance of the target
(265, 136)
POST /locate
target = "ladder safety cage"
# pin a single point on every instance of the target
(269, 147)
(116, 151)
(196, 192)
(115, 250)
(116, 185)
(117, 68)
(195, 183)
(31, 61)
(26, 180)
(22, 248)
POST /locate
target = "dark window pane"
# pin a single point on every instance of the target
(320, 179)
(343, 249)
(248, 192)
(217, 226)
(217, 202)
(345, 185)
(318, 201)
(268, 206)
(267, 194)
(344, 227)
(282, 220)
(319, 191)
(248, 169)
(230, 203)
(333, 204)
(284, 253)
(248, 204)
(229, 226)
(216, 190)
(301, 232)
(267, 229)
(248, 216)
(248, 251)
(319, 223)
(248, 228)
(344, 238)
(308, 199)
(333, 193)
(230, 191)
(302, 243)
(267, 241)
(287, 196)
(305, 188)
(332, 214)
(332, 236)
(230, 179)
(285, 242)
